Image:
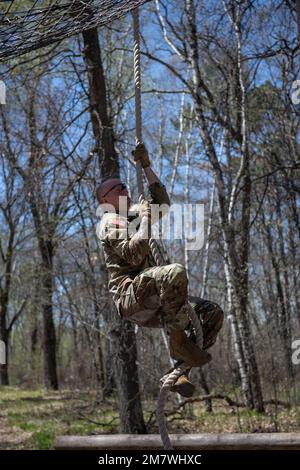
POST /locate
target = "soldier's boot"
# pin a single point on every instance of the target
(183, 349)
(183, 386)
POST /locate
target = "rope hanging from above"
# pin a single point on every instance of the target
(138, 96)
(157, 252)
(154, 247)
(27, 26)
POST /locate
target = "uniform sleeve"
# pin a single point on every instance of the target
(159, 197)
(158, 194)
(133, 250)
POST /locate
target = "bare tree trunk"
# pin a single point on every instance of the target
(93, 335)
(187, 192)
(102, 125)
(295, 268)
(124, 340)
(99, 356)
(237, 268)
(6, 275)
(240, 264)
(236, 337)
(178, 146)
(109, 379)
(45, 230)
(228, 234)
(203, 288)
(75, 344)
(49, 336)
(126, 377)
(285, 300)
(283, 321)
(243, 292)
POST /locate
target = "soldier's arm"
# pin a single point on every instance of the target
(158, 195)
(133, 250)
(157, 190)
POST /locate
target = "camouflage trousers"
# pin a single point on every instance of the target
(158, 297)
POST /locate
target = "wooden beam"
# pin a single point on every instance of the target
(222, 441)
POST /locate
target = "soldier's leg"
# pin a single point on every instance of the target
(211, 317)
(140, 302)
(163, 291)
(173, 289)
(173, 286)
(153, 292)
(159, 290)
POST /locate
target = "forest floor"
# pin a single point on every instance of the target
(32, 419)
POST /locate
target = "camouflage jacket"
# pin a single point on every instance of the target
(126, 255)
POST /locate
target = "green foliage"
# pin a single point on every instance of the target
(264, 102)
(43, 439)
(34, 418)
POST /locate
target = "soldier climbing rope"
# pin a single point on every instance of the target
(169, 380)
(39, 26)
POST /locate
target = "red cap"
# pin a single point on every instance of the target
(106, 186)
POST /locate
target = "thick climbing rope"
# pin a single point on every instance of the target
(156, 253)
(168, 380)
(138, 96)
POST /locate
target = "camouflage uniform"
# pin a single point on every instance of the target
(146, 294)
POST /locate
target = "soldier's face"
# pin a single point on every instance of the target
(112, 197)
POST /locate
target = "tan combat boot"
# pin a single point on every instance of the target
(183, 386)
(183, 349)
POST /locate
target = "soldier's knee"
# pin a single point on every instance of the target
(177, 270)
(174, 285)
